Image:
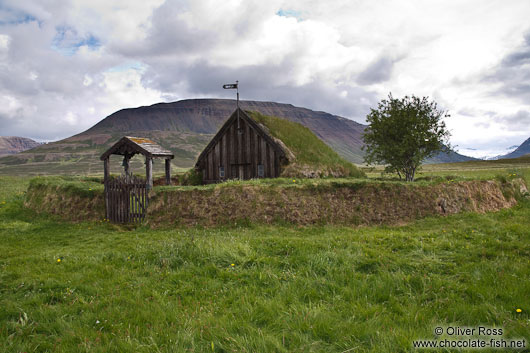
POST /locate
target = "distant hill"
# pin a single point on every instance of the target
(523, 149)
(14, 144)
(450, 157)
(184, 127)
(205, 116)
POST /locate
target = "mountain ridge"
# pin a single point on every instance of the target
(521, 150)
(15, 144)
(185, 127)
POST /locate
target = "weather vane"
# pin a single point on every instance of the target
(236, 87)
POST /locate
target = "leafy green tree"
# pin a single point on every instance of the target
(404, 132)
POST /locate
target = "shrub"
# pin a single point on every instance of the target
(191, 177)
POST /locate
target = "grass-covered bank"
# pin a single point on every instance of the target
(336, 203)
(70, 198)
(285, 201)
(290, 289)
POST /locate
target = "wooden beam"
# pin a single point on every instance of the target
(168, 171)
(149, 171)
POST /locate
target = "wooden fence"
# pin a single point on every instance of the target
(126, 199)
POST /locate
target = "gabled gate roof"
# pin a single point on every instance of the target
(129, 145)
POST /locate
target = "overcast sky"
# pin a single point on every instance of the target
(65, 65)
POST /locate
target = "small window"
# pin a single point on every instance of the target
(261, 171)
(221, 172)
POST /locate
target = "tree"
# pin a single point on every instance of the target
(404, 132)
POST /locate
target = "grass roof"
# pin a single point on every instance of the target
(312, 156)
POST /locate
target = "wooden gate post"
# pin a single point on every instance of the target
(105, 183)
(168, 171)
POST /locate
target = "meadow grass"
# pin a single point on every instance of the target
(255, 288)
(463, 170)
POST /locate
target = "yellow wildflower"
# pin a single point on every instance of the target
(58, 260)
(518, 310)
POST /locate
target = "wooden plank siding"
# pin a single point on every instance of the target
(240, 152)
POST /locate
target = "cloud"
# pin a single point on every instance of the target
(512, 74)
(515, 122)
(380, 70)
(519, 57)
(64, 65)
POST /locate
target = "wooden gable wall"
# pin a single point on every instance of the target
(240, 154)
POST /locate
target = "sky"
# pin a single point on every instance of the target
(65, 65)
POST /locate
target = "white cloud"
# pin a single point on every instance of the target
(4, 42)
(77, 61)
(124, 89)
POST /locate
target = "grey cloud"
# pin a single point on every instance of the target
(515, 122)
(468, 112)
(513, 73)
(519, 57)
(263, 82)
(169, 35)
(380, 70)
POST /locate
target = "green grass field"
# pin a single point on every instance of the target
(259, 288)
(463, 170)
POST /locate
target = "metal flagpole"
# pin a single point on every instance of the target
(236, 87)
(237, 104)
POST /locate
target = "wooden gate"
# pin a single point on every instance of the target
(126, 199)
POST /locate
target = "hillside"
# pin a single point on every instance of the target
(185, 127)
(523, 149)
(14, 144)
(205, 116)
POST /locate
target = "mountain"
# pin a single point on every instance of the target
(205, 116)
(523, 149)
(450, 157)
(184, 127)
(14, 144)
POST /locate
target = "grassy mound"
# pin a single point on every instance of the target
(69, 197)
(282, 201)
(312, 157)
(340, 202)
